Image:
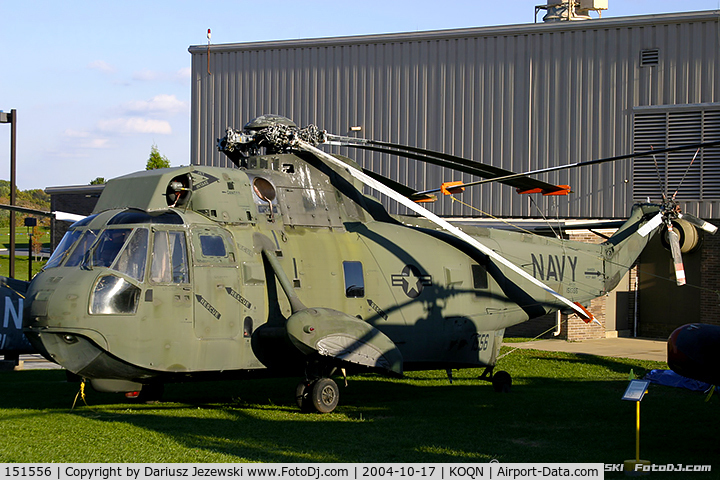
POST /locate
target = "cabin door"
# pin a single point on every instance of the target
(218, 302)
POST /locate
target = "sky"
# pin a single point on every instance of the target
(96, 84)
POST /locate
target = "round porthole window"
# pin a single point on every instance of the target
(264, 189)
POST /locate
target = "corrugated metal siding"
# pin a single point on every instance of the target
(519, 97)
(693, 178)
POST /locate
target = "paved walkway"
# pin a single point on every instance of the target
(36, 361)
(637, 348)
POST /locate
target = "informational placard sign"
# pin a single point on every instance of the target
(636, 390)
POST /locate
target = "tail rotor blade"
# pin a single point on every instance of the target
(651, 225)
(698, 222)
(674, 241)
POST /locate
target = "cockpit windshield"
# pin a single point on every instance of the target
(122, 249)
(63, 248)
(107, 246)
(125, 250)
(82, 248)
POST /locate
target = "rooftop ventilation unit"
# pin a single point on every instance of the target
(570, 10)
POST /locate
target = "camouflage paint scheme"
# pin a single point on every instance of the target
(290, 270)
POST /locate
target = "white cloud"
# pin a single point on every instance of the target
(75, 133)
(95, 143)
(101, 66)
(159, 104)
(183, 73)
(147, 76)
(135, 125)
(72, 154)
(84, 139)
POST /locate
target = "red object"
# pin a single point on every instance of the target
(564, 190)
(589, 317)
(448, 188)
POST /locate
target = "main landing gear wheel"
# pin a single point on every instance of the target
(321, 395)
(502, 381)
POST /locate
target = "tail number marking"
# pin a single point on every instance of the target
(480, 342)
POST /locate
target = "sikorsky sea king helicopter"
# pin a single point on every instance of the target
(282, 266)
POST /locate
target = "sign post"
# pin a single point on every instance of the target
(635, 392)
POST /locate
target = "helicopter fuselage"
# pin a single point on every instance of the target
(183, 273)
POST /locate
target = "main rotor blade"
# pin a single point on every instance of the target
(674, 240)
(445, 160)
(598, 161)
(698, 222)
(367, 180)
(399, 187)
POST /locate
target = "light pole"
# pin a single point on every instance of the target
(11, 118)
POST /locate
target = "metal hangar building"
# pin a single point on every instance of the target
(521, 97)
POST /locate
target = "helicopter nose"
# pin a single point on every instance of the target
(53, 338)
(71, 350)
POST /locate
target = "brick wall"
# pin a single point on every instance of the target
(710, 274)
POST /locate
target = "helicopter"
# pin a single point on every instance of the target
(12, 341)
(283, 266)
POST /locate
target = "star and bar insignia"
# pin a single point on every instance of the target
(411, 281)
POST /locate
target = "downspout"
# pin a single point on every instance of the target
(635, 310)
(558, 323)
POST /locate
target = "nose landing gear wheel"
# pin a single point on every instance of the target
(321, 395)
(325, 395)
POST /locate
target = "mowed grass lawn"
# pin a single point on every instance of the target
(562, 408)
(21, 243)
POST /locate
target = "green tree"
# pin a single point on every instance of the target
(156, 160)
(98, 181)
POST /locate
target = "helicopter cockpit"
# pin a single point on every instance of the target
(122, 247)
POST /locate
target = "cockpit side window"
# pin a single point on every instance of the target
(133, 258)
(169, 263)
(178, 253)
